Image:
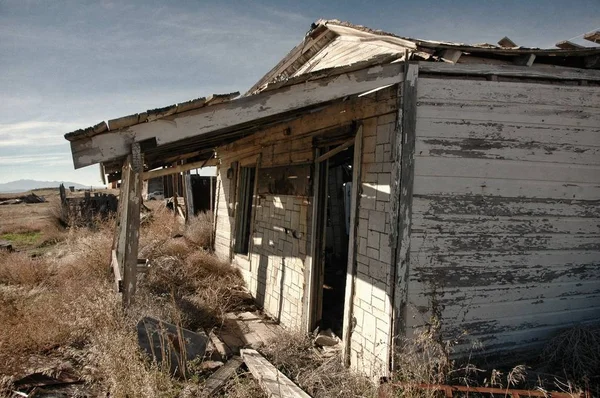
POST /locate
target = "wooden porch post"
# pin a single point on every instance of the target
(129, 223)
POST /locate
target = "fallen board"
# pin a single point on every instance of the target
(218, 379)
(272, 381)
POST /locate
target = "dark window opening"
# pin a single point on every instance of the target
(244, 213)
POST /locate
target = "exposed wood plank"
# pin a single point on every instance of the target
(177, 169)
(464, 224)
(541, 115)
(507, 170)
(134, 169)
(431, 185)
(407, 136)
(336, 150)
(533, 137)
(351, 266)
(189, 196)
(594, 36)
(538, 72)
(116, 269)
(568, 45)
(451, 56)
(527, 151)
(499, 206)
(509, 92)
(274, 383)
(218, 379)
(217, 118)
(507, 43)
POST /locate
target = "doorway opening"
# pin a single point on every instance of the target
(335, 188)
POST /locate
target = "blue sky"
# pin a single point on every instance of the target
(70, 64)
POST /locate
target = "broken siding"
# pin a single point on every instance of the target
(506, 215)
(280, 234)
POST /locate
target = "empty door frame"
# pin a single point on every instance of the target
(314, 275)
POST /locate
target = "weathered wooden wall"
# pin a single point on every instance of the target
(505, 241)
(280, 240)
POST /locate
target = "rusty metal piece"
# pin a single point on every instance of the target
(388, 390)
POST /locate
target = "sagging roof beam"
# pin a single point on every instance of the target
(147, 175)
(234, 114)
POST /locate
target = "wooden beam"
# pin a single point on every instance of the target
(234, 114)
(217, 380)
(336, 150)
(568, 45)
(505, 42)
(451, 56)
(273, 382)
(147, 175)
(189, 196)
(550, 73)
(524, 60)
(133, 168)
(594, 36)
(116, 269)
(352, 239)
(407, 137)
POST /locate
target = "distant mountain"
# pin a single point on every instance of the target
(28, 185)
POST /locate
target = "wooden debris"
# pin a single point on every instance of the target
(594, 36)
(273, 382)
(505, 42)
(40, 379)
(220, 350)
(218, 379)
(568, 45)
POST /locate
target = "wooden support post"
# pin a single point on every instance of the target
(189, 196)
(403, 193)
(133, 168)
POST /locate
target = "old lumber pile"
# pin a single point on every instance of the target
(29, 198)
(86, 209)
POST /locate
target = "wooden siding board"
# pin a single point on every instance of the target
(506, 210)
(508, 131)
(526, 151)
(505, 169)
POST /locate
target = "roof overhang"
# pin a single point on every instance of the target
(198, 131)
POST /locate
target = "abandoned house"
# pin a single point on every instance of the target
(370, 183)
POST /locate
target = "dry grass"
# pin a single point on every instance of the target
(318, 374)
(61, 308)
(576, 352)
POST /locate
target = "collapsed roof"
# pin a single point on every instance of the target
(329, 49)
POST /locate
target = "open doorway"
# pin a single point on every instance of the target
(334, 229)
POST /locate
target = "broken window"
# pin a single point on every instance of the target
(245, 198)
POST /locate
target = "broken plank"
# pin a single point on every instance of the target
(217, 380)
(336, 150)
(273, 382)
(568, 45)
(594, 36)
